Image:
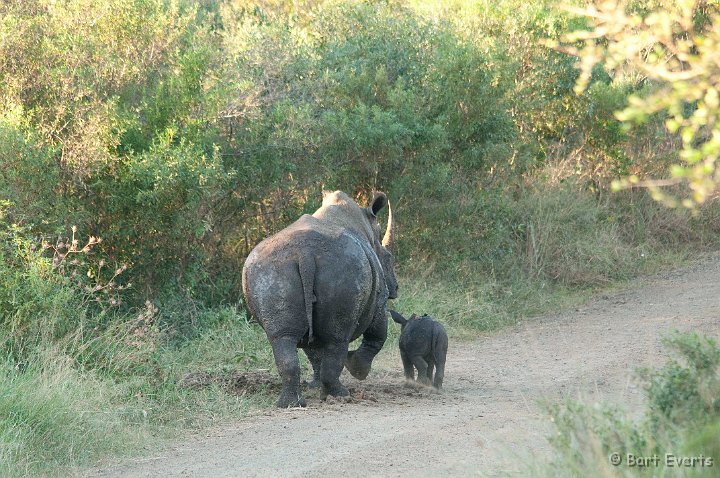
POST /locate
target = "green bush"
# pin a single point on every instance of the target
(683, 394)
(682, 415)
(184, 139)
(36, 304)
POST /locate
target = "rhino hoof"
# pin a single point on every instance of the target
(291, 401)
(338, 390)
(358, 370)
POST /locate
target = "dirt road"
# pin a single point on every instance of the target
(487, 422)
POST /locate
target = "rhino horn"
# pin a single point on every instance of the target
(389, 238)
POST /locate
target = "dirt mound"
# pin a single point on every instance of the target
(381, 391)
(388, 387)
(234, 382)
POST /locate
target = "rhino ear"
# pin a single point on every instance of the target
(378, 202)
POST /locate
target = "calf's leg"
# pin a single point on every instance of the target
(430, 366)
(407, 365)
(440, 347)
(421, 366)
(440, 370)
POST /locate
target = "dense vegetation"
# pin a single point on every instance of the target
(146, 146)
(682, 419)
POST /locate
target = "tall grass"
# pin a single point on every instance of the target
(54, 416)
(549, 245)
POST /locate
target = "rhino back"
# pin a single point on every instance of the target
(418, 337)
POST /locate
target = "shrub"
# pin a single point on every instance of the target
(36, 304)
(682, 415)
(686, 394)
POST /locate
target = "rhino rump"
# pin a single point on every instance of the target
(343, 285)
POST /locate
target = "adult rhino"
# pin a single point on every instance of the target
(319, 284)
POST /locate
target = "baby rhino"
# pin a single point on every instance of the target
(424, 344)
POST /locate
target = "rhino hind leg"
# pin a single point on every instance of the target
(440, 371)
(288, 365)
(440, 348)
(315, 357)
(333, 359)
(407, 366)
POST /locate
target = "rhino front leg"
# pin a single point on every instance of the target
(430, 367)
(359, 361)
(315, 357)
(330, 369)
(421, 365)
(288, 365)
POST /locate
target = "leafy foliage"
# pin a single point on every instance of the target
(681, 393)
(674, 45)
(184, 133)
(682, 415)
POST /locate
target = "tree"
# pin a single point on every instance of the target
(675, 46)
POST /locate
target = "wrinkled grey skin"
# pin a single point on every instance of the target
(423, 344)
(319, 284)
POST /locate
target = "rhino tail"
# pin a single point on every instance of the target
(307, 277)
(397, 317)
